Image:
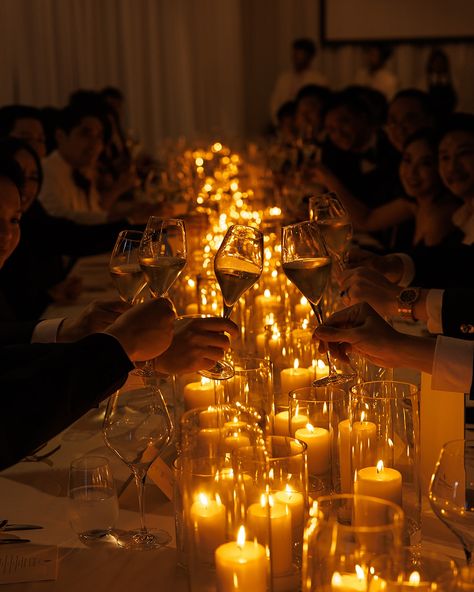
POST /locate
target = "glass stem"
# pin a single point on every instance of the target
(319, 317)
(227, 311)
(140, 476)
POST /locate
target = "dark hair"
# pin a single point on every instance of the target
(11, 113)
(306, 45)
(351, 99)
(375, 100)
(288, 109)
(418, 95)
(425, 134)
(9, 147)
(11, 170)
(314, 91)
(112, 92)
(458, 122)
(72, 115)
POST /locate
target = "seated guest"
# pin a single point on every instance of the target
(409, 111)
(286, 126)
(426, 199)
(311, 102)
(375, 74)
(301, 74)
(24, 123)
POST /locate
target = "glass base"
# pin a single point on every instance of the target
(221, 371)
(333, 379)
(97, 537)
(138, 540)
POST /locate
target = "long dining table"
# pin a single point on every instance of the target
(36, 492)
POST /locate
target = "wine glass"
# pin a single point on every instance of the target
(137, 427)
(334, 223)
(306, 263)
(124, 266)
(162, 253)
(238, 264)
(451, 491)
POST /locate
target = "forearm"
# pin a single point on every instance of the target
(416, 352)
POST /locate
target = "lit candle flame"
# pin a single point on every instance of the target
(296, 364)
(241, 537)
(321, 365)
(310, 427)
(205, 381)
(336, 579)
(380, 466)
(359, 572)
(203, 500)
(267, 293)
(414, 578)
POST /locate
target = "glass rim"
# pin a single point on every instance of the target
(179, 221)
(398, 513)
(303, 445)
(122, 234)
(469, 441)
(414, 390)
(341, 393)
(303, 223)
(102, 461)
(246, 226)
(196, 411)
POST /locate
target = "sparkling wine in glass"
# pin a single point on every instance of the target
(162, 253)
(334, 223)
(307, 264)
(451, 491)
(124, 266)
(137, 427)
(238, 264)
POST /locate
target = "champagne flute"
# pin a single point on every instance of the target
(307, 264)
(238, 264)
(137, 427)
(334, 223)
(162, 253)
(124, 266)
(451, 491)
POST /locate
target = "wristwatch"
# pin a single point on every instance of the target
(406, 301)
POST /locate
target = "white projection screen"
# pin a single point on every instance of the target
(356, 21)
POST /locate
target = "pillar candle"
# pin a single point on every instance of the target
(344, 451)
(208, 523)
(192, 309)
(281, 425)
(363, 443)
(380, 481)
(295, 503)
(241, 566)
(208, 418)
(201, 394)
(302, 310)
(280, 532)
(266, 303)
(318, 442)
(293, 378)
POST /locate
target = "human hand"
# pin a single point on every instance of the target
(198, 343)
(96, 317)
(66, 291)
(391, 266)
(360, 329)
(145, 331)
(363, 284)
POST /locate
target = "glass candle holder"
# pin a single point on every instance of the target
(314, 416)
(413, 570)
(345, 533)
(215, 431)
(382, 440)
(227, 516)
(251, 386)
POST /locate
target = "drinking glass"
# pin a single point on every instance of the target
(238, 264)
(93, 508)
(162, 253)
(124, 266)
(306, 263)
(334, 223)
(451, 491)
(137, 427)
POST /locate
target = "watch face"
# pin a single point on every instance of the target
(408, 296)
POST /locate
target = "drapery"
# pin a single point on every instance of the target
(187, 67)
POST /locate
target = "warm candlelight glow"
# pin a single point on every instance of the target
(203, 499)
(310, 427)
(296, 364)
(379, 466)
(414, 578)
(321, 365)
(241, 537)
(205, 380)
(359, 572)
(267, 293)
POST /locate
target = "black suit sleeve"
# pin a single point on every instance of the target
(457, 313)
(444, 266)
(46, 387)
(14, 333)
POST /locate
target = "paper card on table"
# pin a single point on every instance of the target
(28, 563)
(161, 474)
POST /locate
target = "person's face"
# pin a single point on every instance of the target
(10, 214)
(418, 170)
(346, 130)
(373, 58)
(82, 146)
(31, 173)
(308, 115)
(456, 163)
(32, 132)
(301, 59)
(405, 117)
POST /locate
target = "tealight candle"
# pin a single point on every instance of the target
(318, 442)
(346, 582)
(201, 394)
(208, 418)
(280, 531)
(241, 565)
(281, 423)
(208, 520)
(293, 378)
(380, 481)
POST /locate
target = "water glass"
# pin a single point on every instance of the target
(94, 507)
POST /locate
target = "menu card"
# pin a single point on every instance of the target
(28, 563)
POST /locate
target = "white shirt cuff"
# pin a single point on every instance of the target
(452, 364)
(434, 304)
(408, 269)
(46, 331)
